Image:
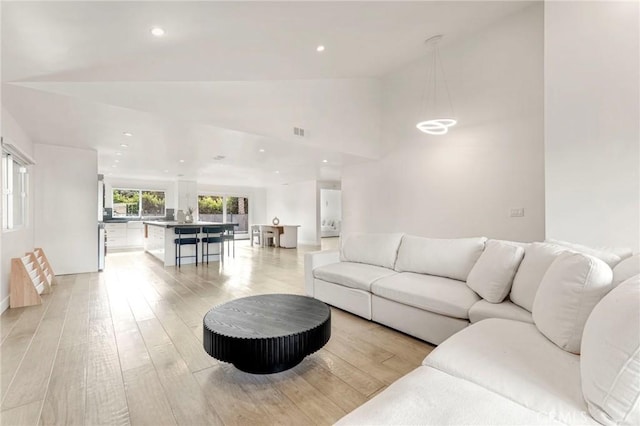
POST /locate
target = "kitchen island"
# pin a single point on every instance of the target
(159, 239)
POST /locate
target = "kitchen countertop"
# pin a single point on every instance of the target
(126, 220)
(173, 224)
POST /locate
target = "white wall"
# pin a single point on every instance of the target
(16, 243)
(466, 182)
(66, 202)
(296, 204)
(592, 122)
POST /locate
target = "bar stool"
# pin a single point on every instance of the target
(180, 241)
(216, 238)
(230, 235)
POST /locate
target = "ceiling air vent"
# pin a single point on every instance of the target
(298, 131)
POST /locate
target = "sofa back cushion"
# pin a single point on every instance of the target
(537, 259)
(492, 275)
(570, 289)
(374, 249)
(450, 258)
(610, 360)
(626, 269)
(609, 256)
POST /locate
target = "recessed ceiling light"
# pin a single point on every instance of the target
(166, 171)
(124, 145)
(277, 171)
(116, 160)
(118, 153)
(157, 31)
(261, 150)
(320, 48)
(325, 161)
(127, 134)
(182, 161)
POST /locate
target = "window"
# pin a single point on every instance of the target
(210, 205)
(219, 208)
(15, 180)
(137, 203)
(152, 203)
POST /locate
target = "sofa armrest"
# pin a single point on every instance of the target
(313, 260)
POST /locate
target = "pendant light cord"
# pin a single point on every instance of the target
(446, 86)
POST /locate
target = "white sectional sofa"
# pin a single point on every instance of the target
(527, 358)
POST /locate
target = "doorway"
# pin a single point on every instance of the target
(330, 212)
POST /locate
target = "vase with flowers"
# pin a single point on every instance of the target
(189, 216)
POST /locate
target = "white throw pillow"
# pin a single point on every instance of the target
(626, 269)
(450, 258)
(610, 257)
(537, 259)
(492, 275)
(610, 360)
(571, 287)
(374, 249)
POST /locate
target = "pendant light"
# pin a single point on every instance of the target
(439, 117)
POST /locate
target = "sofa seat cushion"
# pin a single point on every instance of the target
(513, 359)
(351, 274)
(505, 310)
(427, 396)
(435, 294)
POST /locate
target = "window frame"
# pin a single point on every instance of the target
(140, 191)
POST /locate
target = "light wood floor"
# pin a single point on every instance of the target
(124, 347)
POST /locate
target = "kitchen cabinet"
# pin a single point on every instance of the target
(125, 234)
(116, 235)
(154, 243)
(135, 234)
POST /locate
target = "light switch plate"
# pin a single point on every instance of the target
(519, 212)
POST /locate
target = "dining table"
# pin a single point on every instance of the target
(284, 235)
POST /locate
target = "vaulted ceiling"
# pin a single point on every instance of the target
(224, 87)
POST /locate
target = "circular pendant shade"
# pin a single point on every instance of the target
(439, 126)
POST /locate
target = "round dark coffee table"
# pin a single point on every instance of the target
(266, 333)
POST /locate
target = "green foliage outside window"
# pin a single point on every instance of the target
(126, 202)
(209, 204)
(237, 205)
(136, 203)
(152, 203)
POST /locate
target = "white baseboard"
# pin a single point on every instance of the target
(4, 305)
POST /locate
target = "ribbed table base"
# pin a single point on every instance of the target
(266, 354)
